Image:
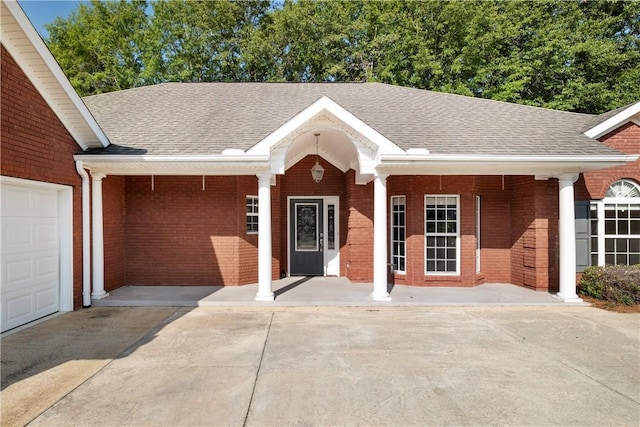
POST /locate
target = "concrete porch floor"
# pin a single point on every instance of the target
(325, 291)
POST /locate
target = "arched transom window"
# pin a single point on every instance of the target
(615, 225)
(624, 188)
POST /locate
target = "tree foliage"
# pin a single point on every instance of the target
(569, 55)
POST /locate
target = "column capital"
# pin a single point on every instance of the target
(573, 177)
(264, 178)
(381, 177)
(98, 176)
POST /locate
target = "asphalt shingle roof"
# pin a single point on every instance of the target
(206, 118)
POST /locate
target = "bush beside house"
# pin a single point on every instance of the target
(616, 284)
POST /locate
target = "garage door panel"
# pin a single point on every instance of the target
(15, 201)
(46, 299)
(46, 267)
(29, 302)
(23, 235)
(28, 202)
(16, 235)
(45, 234)
(44, 203)
(35, 267)
(16, 271)
(18, 310)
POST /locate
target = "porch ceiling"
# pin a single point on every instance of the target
(334, 146)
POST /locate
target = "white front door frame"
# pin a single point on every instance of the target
(331, 259)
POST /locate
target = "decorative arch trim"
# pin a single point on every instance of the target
(369, 143)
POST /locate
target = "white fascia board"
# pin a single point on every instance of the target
(325, 104)
(61, 79)
(614, 122)
(506, 165)
(472, 158)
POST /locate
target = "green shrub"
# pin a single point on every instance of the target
(617, 284)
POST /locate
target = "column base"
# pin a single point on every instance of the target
(99, 295)
(568, 298)
(381, 297)
(266, 297)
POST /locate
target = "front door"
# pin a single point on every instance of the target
(306, 245)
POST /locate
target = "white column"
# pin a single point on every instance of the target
(380, 268)
(567, 230)
(98, 238)
(265, 293)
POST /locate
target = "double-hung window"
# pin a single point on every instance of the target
(615, 225)
(252, 214)
(442, 234)
(398, 233)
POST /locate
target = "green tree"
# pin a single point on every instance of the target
(570, 55)
(100, 45)
(199, 40)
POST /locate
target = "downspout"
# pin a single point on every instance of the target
(86, 236)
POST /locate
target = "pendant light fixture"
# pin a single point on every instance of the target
(317, 171)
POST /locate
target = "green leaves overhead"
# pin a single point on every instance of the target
(569, 55)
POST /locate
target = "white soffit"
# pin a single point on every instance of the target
(632, 113)
(498, 165)
(34, 58)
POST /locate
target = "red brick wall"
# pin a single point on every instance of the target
(495, 223)
(36, 146)
(414, 188)
(594, 185)
(113, 209)
(534, 232)
(358, 249)
(178, 234)
(248, 243)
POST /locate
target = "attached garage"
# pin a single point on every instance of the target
(37, 260)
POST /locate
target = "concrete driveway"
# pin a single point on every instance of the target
(325, 366)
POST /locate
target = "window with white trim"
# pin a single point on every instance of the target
(442, 234)
(398, 233)
(615, 225)
(252, 214)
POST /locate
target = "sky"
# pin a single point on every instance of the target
(42, 12)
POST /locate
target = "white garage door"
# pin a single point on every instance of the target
(30, 274)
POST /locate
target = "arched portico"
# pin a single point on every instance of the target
(346, 143)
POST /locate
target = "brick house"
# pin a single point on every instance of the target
(237, 183)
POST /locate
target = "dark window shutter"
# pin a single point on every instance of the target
(583, 238)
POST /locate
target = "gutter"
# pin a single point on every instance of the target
(165, 159)
(86, 236)
(488, 158)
